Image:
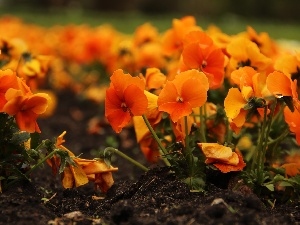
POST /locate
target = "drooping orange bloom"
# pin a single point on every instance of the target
(25, 107)
(125, 98)
(187, 91)
(8, 79)
(244, 52)
(200, 53)
(222, 157)
(292, 165)
(83, 171)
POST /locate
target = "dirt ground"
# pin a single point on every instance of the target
(155, 197)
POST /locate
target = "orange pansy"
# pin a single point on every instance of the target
(25, 108)
(293, 121)
(187, 91)
(83, 171)
(144, 34)
(125, 98)
(154, 79)
(8, 79)
(244, 52)
(173, 38)
(200, 53)
(281, 85)
(222, 157)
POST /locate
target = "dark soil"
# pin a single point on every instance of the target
(155, 197)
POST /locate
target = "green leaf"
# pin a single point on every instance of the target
(270, 186)
(35, 140)
(285, 184)
(20, 137)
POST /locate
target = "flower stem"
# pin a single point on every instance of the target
(133, 161)
(202, 124)
(41, 162)
(188, 149)
(156, 138)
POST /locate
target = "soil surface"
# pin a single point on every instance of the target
(155, 197)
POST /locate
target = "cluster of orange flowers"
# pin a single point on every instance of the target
(206, 82)
(255, 77)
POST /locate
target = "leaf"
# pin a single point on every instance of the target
(20, 137)
(34, 140)
(270, 186)
(285, 184)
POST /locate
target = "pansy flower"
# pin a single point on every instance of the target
(244, 52)
(83, 170)
(222, 157)
(289, 64)
(8, 79)
(238, 102)
(25, 107)
(187, 91)
(200, 53)
(293, 121)
(263, 41)
(125, 98)
(144, 34)
(172, 41)
(282, 86)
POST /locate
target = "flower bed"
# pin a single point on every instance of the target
(211, 108)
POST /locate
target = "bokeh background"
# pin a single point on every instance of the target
(280, 18)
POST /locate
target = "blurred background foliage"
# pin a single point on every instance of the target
(280, 18)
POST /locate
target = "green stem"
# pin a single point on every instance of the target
(41, 162)
(134, 162)
(187, 147)
(202, 125)
(156, 138)
(259, 149)
(280, 138)
(229, 133)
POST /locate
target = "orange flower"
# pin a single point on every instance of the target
(293, 121)
(187, 91)
(125, 98)
(239, 101)
(244, 52)
(83, 171)
(8, 79)
(281, 85)
(26, 108)
(144, 34)
(222, 157)
(289, 64)
(200, 53)
(173, 38)
(154, 79)
(266, 45)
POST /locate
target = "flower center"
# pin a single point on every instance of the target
(179, 99)
(124, 106)
(204, 64)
